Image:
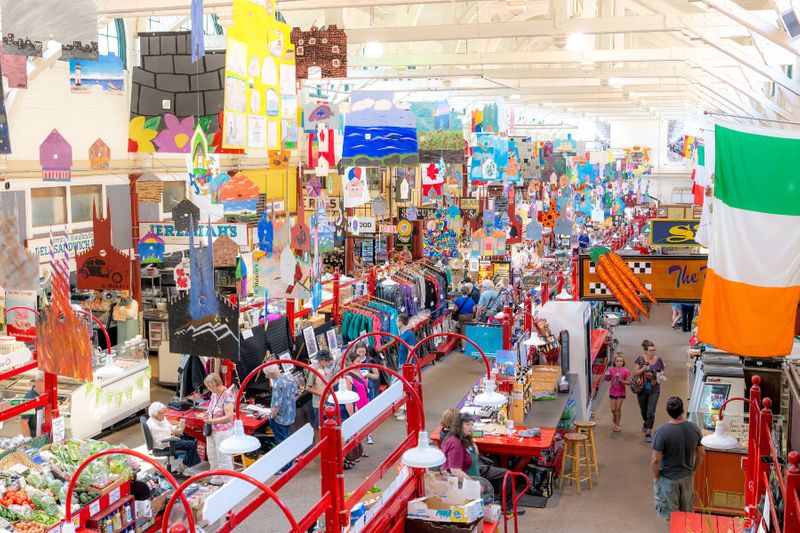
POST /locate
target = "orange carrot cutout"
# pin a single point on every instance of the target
(620, 264)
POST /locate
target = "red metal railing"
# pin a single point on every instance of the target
(510, 475)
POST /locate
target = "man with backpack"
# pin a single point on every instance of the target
(489, 302)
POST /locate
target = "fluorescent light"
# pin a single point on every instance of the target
(373, 49)
(423, 455)
(577, 42)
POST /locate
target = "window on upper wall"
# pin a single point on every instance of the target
(48, 206)
(82, 199)
(174, 192)
(111, 38)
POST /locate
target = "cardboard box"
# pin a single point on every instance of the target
(436, 509)
(426, 526)
(492, 513)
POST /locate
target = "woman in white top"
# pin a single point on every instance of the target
(161, 429)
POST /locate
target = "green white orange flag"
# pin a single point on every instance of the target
(752, 285)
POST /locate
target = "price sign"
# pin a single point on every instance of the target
(94, 507)
(59, 429)
(113, 496)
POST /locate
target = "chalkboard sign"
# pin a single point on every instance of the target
(563, 340)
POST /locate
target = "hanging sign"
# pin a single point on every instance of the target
(72, 244)
(359, 225)
(674, 232)
(388, 229)
(171, 235)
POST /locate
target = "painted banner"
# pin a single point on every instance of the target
(670, 278)
(167, 231)
(72, 244)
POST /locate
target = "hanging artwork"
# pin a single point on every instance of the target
(106, 75)
(315, 114)
(675, 129)
(28, 25)
(198, 42)
(279, 158)
(548, 218)
(239, 195)
(259, 69)
(482, 166)
(64, 345)
(151, 249)
(202, 322)
(301, 233)
(283, 274)
(313, 187)
(563, 225)
(325, 49)
(432, 181)
(55, 156)
(19, 268)
(100, 156)
(379, 132)
(486, 120)
(321, 146)
(404, 183)
(182, 278)
(225, 252)
(379, 207)
(533, 232)
(15, 70)
(20, 323)
(102, 267)
(265, 233)
(355, 190)
(567, 146)
(182, 213)
(439, 239)
(439, 132)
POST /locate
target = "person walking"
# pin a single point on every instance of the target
(219, 416)
(677, 453)
(283, 404)
(618, 376)
(407, 334)
(648, 373)
(370, 375)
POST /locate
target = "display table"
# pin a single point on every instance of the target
(194, 424)
(547, 413)
(681, 522)
(525, 449)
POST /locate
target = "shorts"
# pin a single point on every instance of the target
(617, 397)
(673, 495)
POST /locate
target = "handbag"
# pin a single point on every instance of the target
(637, 384)
(207, 429)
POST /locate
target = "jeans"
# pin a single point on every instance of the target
(647, 405)
(281, 433)
(687, 315)
(191, 458)
(673, 495)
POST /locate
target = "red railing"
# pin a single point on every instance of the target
(509, 477)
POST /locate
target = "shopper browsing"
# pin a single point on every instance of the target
(677, 453)
(354, 381)
(488, 302)
(404, 327)
(323, 363)
(283, 404)
(465, 307)
(619, 377)
(369, 375)
(161, 430)
(219, 415)
(649, 373)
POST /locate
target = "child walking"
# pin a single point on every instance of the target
(619, 376)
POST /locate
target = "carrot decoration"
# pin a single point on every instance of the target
(621, 281)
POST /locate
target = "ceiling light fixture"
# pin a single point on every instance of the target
(373, 49)
(577, 42)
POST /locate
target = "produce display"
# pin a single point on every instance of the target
(621, 281)
(7, 444)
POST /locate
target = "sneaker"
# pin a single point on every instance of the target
(644, 427)
(648, 438)
(369, 440)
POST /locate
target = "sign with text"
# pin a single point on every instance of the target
(15, 359)
(361, 225)
(72, 244)
(673, 232)
(171, 235)
(671, 278)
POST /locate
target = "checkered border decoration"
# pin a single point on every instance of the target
(638, 267)
(600, 289)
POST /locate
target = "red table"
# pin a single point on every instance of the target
(681, 522)
(194, 424)
(525, 448)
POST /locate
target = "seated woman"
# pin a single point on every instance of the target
(462, 459)
(161, 429)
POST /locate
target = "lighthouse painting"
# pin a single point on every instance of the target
(104, 76)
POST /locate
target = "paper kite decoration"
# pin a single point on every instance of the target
(55, 156)
(149, 188)
(181, 214)
(99, 155)
(432, 180)
(102, 267)
(325, 49)
(202, 322)
(313, 187)
(563, 225)
(225, 252)
(151, 249)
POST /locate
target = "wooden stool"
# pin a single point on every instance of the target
(572, 450)
(587, 428)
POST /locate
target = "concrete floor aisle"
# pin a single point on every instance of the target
(621, 499)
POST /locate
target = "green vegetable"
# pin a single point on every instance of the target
(45, 518)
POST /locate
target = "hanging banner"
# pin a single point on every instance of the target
(674, 232)
(171, 235)
(72, 244)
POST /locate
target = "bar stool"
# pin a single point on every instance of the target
(573, 442)
(586, 427)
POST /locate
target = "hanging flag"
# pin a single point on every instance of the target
(752, 285)
(198, 45)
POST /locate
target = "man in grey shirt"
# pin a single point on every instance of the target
(676, 454)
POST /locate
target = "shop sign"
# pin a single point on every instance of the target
(469, 204)
(422, 212)
(15, 359)
(72, 244)
(388, 229)
(359, 225)
(669, 278)
(672, 232)
(311, 203)
(167, 231)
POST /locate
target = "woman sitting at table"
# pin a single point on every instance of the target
(161, 429)
(462, 459)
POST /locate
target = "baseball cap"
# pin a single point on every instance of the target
(324, 354)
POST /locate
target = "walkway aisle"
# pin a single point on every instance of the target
(622, 498)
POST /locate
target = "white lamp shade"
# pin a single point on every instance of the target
(563, 295)
(423, 455)
(720, 440)
(490, 397)
(534, 340)
(239, 443)
(343, 395)
(109, 370)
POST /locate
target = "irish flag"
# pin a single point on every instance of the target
(752, 285)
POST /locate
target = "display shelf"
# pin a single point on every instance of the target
(93, 522)
(105, 501)
(547, 413)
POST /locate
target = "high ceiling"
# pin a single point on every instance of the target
(603, 58)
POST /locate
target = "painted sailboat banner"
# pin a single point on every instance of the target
(752, 285)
